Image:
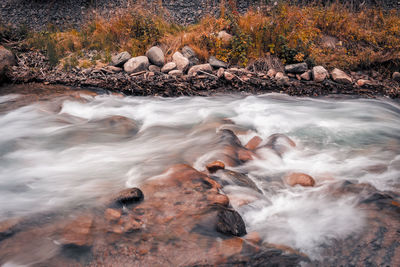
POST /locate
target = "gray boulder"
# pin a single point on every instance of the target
(202, 67)
(296, 68)
(396, 76)
(319, 74)
(340, 76)
(136, 64)
(156, 56)
(168, 67)
(7, 60)
(182, 63)
(216, 63)
(120, 59)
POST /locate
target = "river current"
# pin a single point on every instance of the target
(63, 153)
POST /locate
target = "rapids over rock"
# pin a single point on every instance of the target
(91, 179)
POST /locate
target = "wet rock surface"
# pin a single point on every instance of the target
(230, 222)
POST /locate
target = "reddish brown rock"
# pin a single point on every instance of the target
(302, 179)
(129, 196)
(253, 237)
(253, 143)
(112, 214)
(219, 199)
(245, 155)
(78, 232)
(215, 166)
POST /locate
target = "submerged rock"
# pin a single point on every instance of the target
(120, 59)
(230, 223)
(298, 178)
(78, 232)
(129, 196)
(253, 143)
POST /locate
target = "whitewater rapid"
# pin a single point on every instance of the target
(61, 154)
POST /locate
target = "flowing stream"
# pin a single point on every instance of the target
(60, 154)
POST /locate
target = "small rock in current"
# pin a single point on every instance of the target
(302, 179)
(215, 166)
(129, 196)
(231, 223)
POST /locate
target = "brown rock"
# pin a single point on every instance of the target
(253, 143)
(220, 72)
(253, 237)
(271, 73)
(230, 223)
(340, 76)
(302, 179)
(219, 199)
(215, 166)
(78, 232)
(306, 76)
(319, 74)
(362, 82)
(112, 214)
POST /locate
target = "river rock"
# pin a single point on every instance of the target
(215, 166)
(306, 76)
(298, 178)
(78, 232)
(202, 67)
(7, 60)
(363, 82)
(156, 56)
(112, 214)
(296, 68)
(230, 222)
(168, 67)
(120, 59)
(129, 196)
(319, 74)
(188, 52)
(396, 76)
(216, 63)
(154, 68)
(224, 36)
(182, 63)
(253, 143)
(175, 73)
(136, 64)
(340, 76)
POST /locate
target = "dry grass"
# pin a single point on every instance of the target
(364, 39)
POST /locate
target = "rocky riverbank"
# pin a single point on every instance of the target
(152, 75)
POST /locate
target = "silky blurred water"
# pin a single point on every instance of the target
(64, 153)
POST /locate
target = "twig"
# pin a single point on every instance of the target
(138, 73)
(209, 74)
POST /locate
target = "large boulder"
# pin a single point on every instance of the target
(120, 59)
(296, 68)
(7, 60)
(136, 64)
(216, 63)
(156, 56)
(202, 67)
(182, 62)
(319, 74)
(340, 76)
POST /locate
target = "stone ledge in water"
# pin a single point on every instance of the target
(231, 223)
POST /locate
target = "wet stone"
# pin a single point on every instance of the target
(230, 223)
(215, 166)
(300, 179)
(129, 196)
